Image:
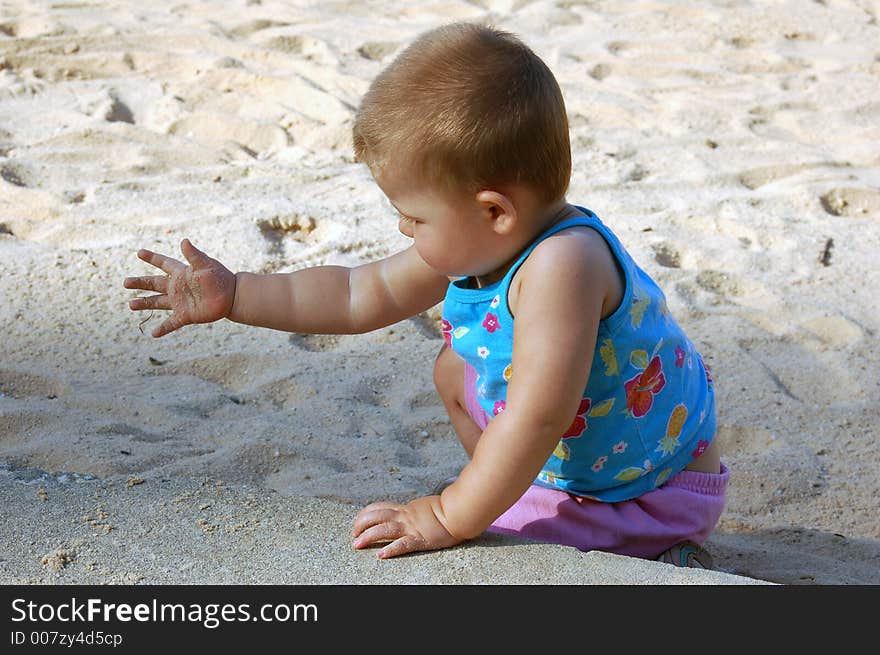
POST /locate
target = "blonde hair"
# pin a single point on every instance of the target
(467, 107)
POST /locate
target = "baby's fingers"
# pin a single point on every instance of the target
(150, 302)
(383, 532)
(170, 324)
(402, 546)
(167, 264)
(371, 515)
(147, 283)
(195, 257)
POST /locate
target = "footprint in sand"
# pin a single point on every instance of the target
(15, 174)
(18, 384)
(784, 121)
(666, 254)
(279, 230)
(298, 226)
(619, 48)
(17, 85)
(377, 50)
(111, 109)
(217, 129)
(244, 30)
(235, 373)
(284, 392)
(600, 71)
(834, 331)
(316, 342)
(758, 177)
(743, 42)
(720, 283)
(376, 390)
(851, 201)
(299, 45)
(31, 27)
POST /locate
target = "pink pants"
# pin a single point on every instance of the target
(686, 507)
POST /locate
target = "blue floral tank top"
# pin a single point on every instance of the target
(649, 406)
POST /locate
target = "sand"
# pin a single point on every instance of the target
(733, 147)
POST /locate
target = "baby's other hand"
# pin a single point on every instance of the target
(202, 292)
(409, 528)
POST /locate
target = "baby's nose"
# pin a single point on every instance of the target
(405, 225)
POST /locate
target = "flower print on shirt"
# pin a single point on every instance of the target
(662, 476)
(679, 356)
(638, 307)
(498, 407)
(702, 444)
(491, 322)
(632, 472)
(483, 352)
(495, 302)
(579, 424)
(609, 357)
(599, 464)
(447, 331)
(562, 451)
(640, 389)
(619, 447)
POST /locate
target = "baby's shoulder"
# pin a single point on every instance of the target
(580, 255)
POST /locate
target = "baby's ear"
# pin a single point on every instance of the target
(499, 210)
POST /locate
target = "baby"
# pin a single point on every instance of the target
(587, 413)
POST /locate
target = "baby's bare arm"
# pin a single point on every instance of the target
(337, 299)
(557, 313)
(558, 310)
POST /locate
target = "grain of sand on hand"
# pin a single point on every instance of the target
(733, 147)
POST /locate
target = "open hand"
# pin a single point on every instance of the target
(411, 527)
(202, 292)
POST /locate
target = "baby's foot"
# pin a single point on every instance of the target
(687, 554)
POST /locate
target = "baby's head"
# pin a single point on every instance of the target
(466, 108)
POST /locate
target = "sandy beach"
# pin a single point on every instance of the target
(733, 147)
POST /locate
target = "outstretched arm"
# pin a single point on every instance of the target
(337, 299)
(317, 300)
